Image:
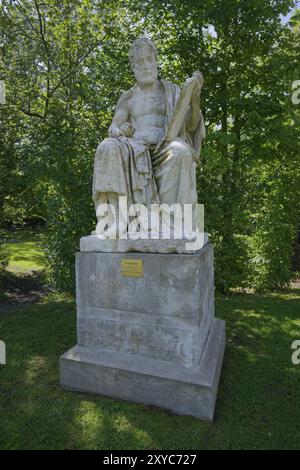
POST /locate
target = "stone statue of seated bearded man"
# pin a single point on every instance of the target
(137, 160)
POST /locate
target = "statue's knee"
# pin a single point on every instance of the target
(107, 146)
(181, 149)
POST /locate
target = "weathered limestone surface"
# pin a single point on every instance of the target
(145, 308)
(182, 390)
(94, 243)
(151, 338)
(154, 144)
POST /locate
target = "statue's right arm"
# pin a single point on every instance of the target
(120, 117)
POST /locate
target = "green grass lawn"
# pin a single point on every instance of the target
(258, 400)
(24, 247)
(257, 405)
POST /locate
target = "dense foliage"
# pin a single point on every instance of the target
(65, 64)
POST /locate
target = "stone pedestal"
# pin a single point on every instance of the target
(147, 331)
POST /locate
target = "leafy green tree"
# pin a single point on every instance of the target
(247, 57)
(65, 64)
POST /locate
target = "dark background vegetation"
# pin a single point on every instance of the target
(65, 64)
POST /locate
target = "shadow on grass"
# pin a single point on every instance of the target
(15, 234)
(20, 288)
(258, 401)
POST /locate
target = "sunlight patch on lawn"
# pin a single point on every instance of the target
(25, 256)
(24, 247)
(90, 421)
(35, 366)
(124, 425)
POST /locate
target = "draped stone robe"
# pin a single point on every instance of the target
(131, 167)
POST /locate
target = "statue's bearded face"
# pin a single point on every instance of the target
(145, 65)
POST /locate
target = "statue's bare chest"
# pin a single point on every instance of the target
(147, 103)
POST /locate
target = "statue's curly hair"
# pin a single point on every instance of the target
(138, 43)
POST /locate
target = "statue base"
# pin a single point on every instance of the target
(95, 243)
(147, 331)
